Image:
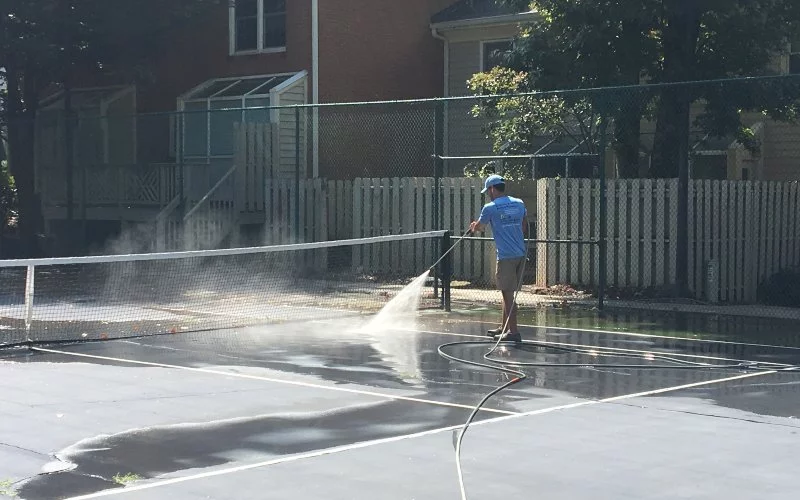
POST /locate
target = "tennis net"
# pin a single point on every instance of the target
(119, 296)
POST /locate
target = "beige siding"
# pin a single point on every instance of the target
(286, 151)
(781, 151)
(464, 134)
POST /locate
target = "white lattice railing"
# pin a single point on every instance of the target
(141, 185)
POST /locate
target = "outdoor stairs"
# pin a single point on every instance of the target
(206, 222)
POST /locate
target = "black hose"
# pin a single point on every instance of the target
(503, 366)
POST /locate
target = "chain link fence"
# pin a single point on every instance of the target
(654, 193)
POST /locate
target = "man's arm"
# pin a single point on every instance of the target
(483, 220)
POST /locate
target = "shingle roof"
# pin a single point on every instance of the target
(473, 9)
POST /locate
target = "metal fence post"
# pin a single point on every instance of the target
(447, 271)
(601, 239)
(682, 222)
(438, 171)
(297, 172)
(438, 162)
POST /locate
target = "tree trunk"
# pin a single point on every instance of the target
(670, 128)
(681, 33)
(628, 116)
(21, 126)
(671, 142)
(627, 125)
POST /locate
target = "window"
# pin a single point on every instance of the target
(257, 26)
(492, 53)
(794, 57)
(209, 112)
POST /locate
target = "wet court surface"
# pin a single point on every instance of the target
(328, 410)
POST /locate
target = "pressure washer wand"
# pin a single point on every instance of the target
(450, 249)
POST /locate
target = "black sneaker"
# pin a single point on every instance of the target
(509, 337)
(494, 332)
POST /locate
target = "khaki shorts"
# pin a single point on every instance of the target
(509, 274)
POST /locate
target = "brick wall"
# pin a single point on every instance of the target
(379, 50)
(200, 52)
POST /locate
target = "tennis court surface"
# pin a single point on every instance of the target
(217, 395)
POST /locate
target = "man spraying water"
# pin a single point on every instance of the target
(507, 216)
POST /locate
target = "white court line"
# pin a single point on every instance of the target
(649, 335)
(617, 349)
(634, 334)
(366, 444)
(269, 379)
(588, 346)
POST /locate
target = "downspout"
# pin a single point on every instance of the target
(315, 83)
(446, 91)
(438, 36)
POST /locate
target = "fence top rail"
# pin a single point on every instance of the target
(500, 157)
(535, 240)
(101, 259)
(430, 100)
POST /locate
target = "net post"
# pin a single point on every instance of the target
(29, 282)
(446, 270)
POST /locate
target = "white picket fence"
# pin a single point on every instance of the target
(740, 232)
(360, 208)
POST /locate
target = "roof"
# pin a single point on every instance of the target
(237, 87)
(474, 9)
(83, 98)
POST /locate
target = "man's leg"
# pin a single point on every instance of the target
(509, 312)
(508, 281)
(498, 276)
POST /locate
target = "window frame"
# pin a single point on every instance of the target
(482, 55)
(260, 49)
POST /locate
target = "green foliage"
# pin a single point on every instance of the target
(7, 489)
(781, 289)
(52, 39)
(46, 44)
(582, 44)
(518, 122)
(125, 479)
(8, 198)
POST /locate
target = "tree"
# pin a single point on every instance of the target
(714, 39)
(582, 44)
(46, 43)
(521, 122)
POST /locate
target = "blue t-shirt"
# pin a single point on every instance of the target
(504, 215)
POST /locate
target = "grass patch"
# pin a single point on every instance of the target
(124, 479)
(7, 488)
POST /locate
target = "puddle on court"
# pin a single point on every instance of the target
(708, 326)
(157, 451)
(409, 360)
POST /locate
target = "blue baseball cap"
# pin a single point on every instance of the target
(492, 180)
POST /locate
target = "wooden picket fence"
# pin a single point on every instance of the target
(740, 232)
